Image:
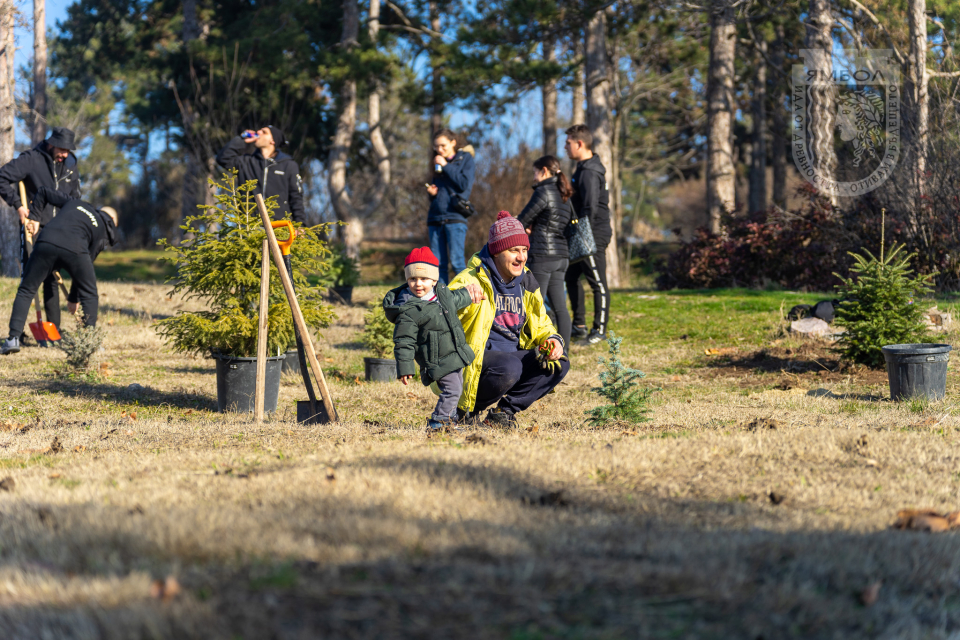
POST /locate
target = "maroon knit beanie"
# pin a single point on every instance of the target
(506, 232)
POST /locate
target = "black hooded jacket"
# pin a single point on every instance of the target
(547, 215)
(280, 174)
(37, 169)
(591, 200)
(79, 227)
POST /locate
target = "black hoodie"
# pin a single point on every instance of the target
(36, 168)
(280, 174)
(79, 227)
(590, 198)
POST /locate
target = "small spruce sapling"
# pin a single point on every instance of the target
(881, 305)
(82, 344)
(620, 385)
(377, 330)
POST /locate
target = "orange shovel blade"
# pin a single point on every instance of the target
(44, 331)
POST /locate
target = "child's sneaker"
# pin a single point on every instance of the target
(442, 426)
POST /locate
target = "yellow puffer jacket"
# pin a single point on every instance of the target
(477, 320)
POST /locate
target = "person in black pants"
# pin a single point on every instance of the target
(545, 217)
(50, 164)
(71, 241)
(590, 200)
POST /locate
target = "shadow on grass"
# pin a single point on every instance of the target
(652, 567)
(106, 392)
(138, 314)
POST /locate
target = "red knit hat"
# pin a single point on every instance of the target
(421, 263)
(506, 232)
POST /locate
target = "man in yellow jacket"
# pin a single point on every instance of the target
(508, 331)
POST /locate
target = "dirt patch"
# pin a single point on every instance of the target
(798, 365)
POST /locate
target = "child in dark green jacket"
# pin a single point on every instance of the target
(429, 332)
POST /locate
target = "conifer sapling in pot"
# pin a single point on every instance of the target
(378, 337)
(219, 263)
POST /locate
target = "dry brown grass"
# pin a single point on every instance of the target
(368, 529)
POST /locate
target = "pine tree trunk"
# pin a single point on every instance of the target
(577, 94)
(779, 133)
(436, 79)
(721, 176)
(190, 193)
(758, 153)
(38, 128)
(346, 210)
(917, 98)
(600, 121)
(549, 91)
(9, 220)
(823, 92)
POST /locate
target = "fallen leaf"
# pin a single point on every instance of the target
(110, 322)
(128, 432)
(533, 429)
(475, 438)
(165, 590)
(79, 448)
(628, 433)
(188, 412)
(674, 378)
(331, 474)
(929, 422)
(870, 462)
(869, 595)
(776, 498)
(132, 417)
(411, 395)
(8, 484)
(290, 433)
(55, 446)
(925, 520)
(328, 359)
(55, 475)
(357, 380)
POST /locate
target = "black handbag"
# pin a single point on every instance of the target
(579, 235)
(463, 207)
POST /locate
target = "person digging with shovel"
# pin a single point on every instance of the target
(72, 241)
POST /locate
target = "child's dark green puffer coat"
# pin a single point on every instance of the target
(428, 333)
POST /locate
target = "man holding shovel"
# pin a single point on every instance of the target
(71, 241)
(50, 164)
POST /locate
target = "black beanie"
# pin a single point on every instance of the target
(277, 134)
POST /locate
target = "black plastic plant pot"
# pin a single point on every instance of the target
(237, 383)
(291, 363)
(917, 370)
(341, 295)
(379, 369)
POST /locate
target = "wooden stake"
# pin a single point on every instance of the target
(259, 401)
(295, 309)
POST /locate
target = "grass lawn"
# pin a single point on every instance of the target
(756, 502)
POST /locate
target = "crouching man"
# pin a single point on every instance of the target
(519, 356)
(72, 241)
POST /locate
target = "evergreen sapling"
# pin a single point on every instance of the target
(82, 344)
(620, 385)
(880, 305)
(377, 330)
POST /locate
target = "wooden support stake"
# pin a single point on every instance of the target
(295, 309)
(258, 402)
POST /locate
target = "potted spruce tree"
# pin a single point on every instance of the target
(345, 276)
(219, 262)
(378, 337)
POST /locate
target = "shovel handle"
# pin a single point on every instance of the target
(286, 244)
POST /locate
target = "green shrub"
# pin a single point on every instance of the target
(881, 305)
(377, 330)
(620, 385)
(219, 263)
(343, 270)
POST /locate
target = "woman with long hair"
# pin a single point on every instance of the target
(545, 217)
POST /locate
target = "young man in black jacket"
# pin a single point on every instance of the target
(71, 241)
(276, 172)
(590, 200)
(50, 164)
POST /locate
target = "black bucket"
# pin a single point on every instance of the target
(379, 369)
(237, 383)
(341, 294)
(917, 370)
(291, 363)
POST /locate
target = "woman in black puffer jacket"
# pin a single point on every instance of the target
(545, 217)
